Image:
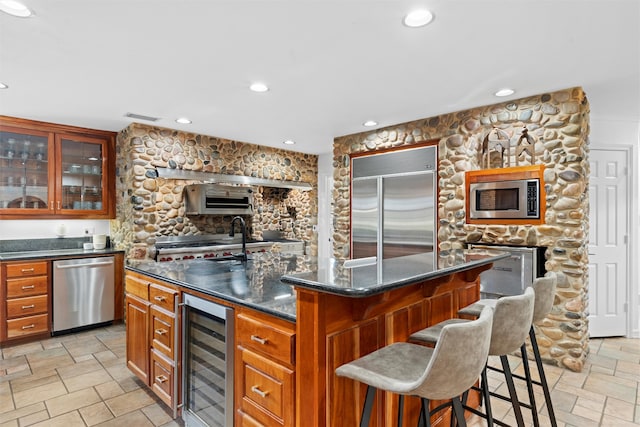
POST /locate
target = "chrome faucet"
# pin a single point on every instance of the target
(243, 255)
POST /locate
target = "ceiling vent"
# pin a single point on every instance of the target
(142, 117)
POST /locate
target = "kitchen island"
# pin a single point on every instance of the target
(331, 314)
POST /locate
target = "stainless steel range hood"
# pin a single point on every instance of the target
(218, 178)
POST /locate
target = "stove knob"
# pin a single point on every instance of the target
(163, 259)
(169, 258)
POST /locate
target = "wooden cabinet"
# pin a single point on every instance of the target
(25, 300)
(152, 335)
(334, 329)
(265, 370)
(53, 171)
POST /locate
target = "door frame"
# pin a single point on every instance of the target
(633, 236)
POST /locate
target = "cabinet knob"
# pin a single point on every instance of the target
(159, 298)
(259, 392)
(25, 307)
(51, 205)
(29, 326)
(28, 270)
(58, 204)
(25, 287)
(258, 339)
(161, 331)
(161, 379)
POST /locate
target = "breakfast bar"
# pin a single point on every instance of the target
(346, 312)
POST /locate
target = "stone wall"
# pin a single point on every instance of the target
(148, 206)
(559, 125)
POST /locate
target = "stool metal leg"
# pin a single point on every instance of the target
(527, 374)
(517, 411)
(368, 406)
(458, 410)
(400, 409)
(425, 416)
(543, 377)
(486, 396)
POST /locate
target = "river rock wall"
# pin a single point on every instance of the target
(149, 206)
(558, 126)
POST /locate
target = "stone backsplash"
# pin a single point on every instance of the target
(149, 206)
(557, 125)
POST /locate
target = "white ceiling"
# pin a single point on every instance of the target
(330, 64)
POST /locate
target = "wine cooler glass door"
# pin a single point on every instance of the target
(208, 363)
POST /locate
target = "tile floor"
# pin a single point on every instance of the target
(81, 380)
(605, 393)
(76, 380)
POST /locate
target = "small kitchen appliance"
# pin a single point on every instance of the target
(512, 195)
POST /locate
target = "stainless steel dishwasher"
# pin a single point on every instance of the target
(83, 292)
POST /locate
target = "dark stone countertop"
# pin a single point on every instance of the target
(255, 284)
(69, 247)
(56, 253)
(341, 278)
(266, 282)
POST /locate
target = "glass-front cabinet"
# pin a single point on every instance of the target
(53, 173)
(25, 170)
(81, 182)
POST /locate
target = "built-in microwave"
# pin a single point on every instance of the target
(512, 199)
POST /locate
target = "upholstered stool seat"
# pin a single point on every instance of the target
(545, 289)
(511, 322)
(443, 372)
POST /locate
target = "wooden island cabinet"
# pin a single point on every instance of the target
(291, 332)
(336, 329)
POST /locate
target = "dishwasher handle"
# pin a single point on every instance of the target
(95, 264)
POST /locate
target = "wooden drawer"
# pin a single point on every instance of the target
(267, 389)
(245, 420)
(19, 288)
(271, 340)
(136, 286)
(20, 307)
(27, 325)
(162, 380)
(163, 331)
(27, 269)
(162, 297)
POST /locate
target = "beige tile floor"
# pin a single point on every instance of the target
(605, 393)
(76, 380)
(82, 380)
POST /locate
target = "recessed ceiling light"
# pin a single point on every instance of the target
(418, 18)
(504, 92)
(15, 8)
(4, 86)
(183, 121)
(288, 142)
(259, 87)
(370, 123)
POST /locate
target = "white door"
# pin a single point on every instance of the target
(608, 245)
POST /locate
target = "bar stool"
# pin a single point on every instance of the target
(511, 321)
(545, 289)
(442, 373)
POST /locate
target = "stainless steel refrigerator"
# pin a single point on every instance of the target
(393, 203)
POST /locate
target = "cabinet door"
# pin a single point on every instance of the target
(138, 337)
(26, 172)
(81, 184)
